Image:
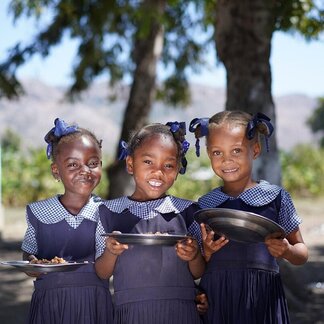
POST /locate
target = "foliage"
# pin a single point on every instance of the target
(106, 32)
(303, 16)
(316, 120)
(303, 171)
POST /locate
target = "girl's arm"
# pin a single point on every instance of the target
(292, 248)
(189, 251)
(105, 264)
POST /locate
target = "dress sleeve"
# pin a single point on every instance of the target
(288, 217)
(193, 226)
(100, 240)
(29, 244)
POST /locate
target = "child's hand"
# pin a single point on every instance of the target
(202, 303)
(187, 250)
(277, 247)
(114, 247)
(211, 246)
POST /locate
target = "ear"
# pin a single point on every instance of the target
(129, 164)
(256, 150)
(55, 171)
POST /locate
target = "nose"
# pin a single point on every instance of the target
(227, 158)
(157, 171)
(84, 169)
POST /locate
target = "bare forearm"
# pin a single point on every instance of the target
(105, 264)
(197, 266)
(297, 254)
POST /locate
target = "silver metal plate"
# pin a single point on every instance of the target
(238, 225)
(147, 239)
(25, 266)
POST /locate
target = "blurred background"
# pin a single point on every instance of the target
(100, 63)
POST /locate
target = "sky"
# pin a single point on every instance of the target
(297, 65)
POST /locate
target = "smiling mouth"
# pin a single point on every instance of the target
(155, 183)
(230, 170)
(87, 179)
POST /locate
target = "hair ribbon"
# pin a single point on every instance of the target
(174, 128)
(60, 129)
(123, 150)
(202, 123)
(259, 118)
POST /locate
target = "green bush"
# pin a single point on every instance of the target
(303, 171)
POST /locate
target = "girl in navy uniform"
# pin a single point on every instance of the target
(242, 280)
(152, 284)
(64, 226)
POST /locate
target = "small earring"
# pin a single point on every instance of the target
(57, 180)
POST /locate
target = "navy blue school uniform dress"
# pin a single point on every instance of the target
(73, 297)
(242, 280)
(152, 285)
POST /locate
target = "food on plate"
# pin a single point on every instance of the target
(55, 260)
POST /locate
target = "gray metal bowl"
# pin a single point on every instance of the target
(239, 225)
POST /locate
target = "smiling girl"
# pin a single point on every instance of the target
(242, 280)
(64, 226)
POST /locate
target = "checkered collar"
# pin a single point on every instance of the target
(261, 194)
(148, 209)
(51, 210)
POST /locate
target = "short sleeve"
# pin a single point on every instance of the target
(29, 244)
(288, 217)
(100, 240)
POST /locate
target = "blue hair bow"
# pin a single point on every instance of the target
(203, 124)
(60, 129)
(123, 150)
(174, 128)
(259, 118)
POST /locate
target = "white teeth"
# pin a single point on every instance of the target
(155, 183)
(229, 171)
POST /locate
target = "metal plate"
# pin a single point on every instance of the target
(25, 266)
(238, 225)
(147, 239)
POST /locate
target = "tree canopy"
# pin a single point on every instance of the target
(129, 37)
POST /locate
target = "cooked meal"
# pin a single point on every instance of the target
(55, 260)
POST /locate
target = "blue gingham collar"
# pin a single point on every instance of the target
(261, 194)
(148, 209)
(51, 210)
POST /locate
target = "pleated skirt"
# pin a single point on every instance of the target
(172, 311)
(244, 296)
(78, 302)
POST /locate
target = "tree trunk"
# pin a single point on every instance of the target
(243, 32)
(146, 53)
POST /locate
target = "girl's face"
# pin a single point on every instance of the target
(78, 165)
(155, 167)
(232, 154)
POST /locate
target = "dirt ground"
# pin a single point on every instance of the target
(306, 283)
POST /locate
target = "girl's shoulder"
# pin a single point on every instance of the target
(45, 203)
(261, 194)
(179, 204)
(116, 205)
